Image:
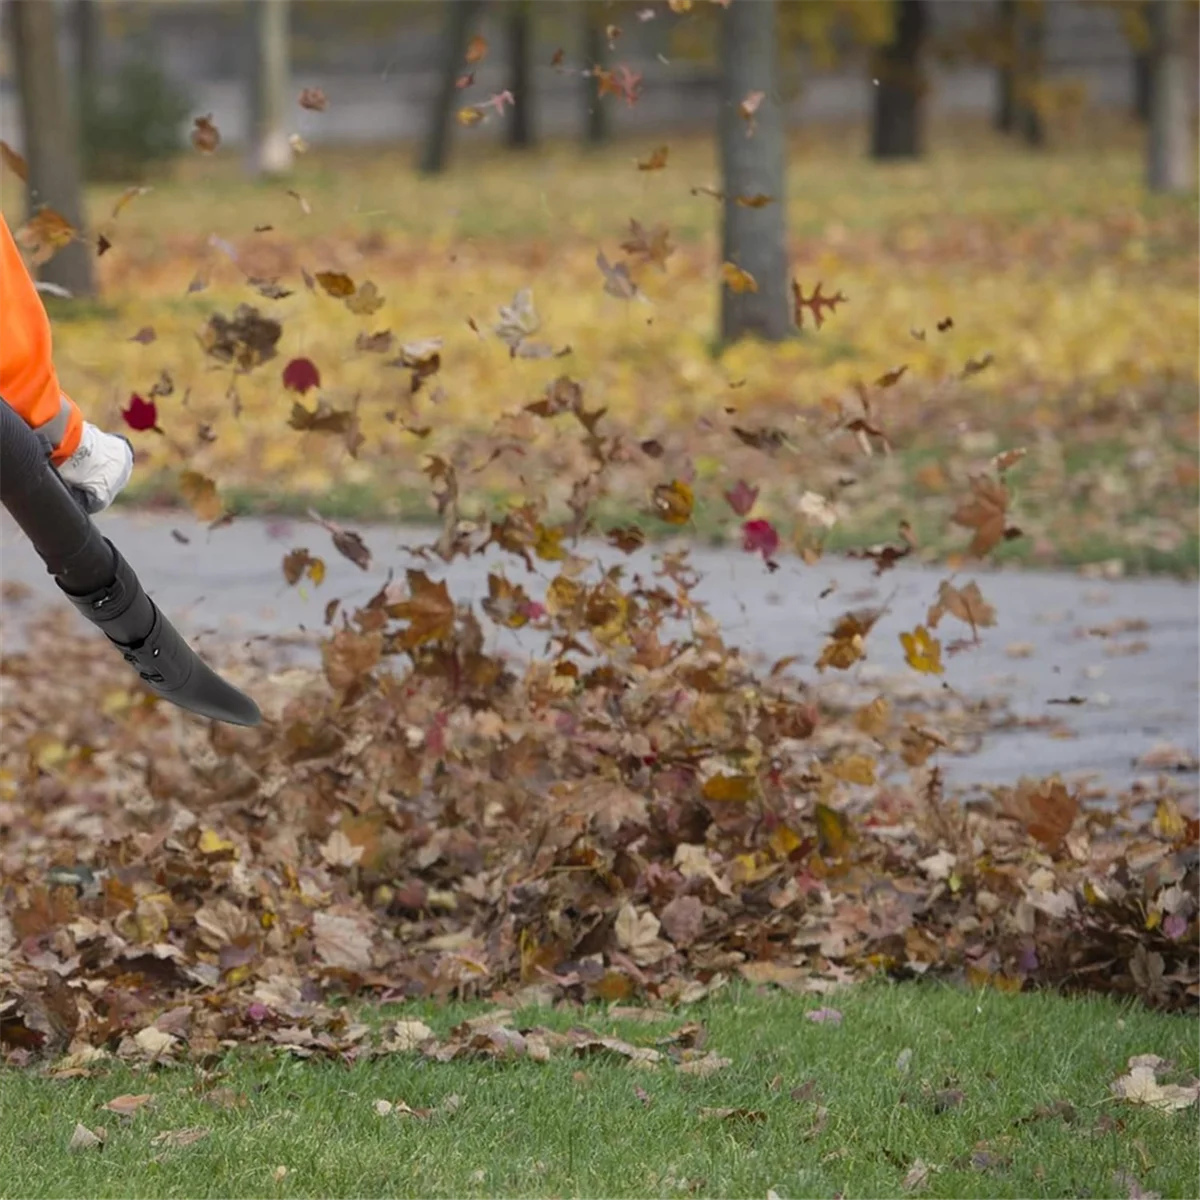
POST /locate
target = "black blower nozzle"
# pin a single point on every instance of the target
(102, 585)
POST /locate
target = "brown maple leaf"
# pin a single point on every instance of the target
(814, 303)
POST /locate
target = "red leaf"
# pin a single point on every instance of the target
(759, 537)
(141, 414)
(300, 375)
(741, 497)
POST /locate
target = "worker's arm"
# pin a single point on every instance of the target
(97, 463)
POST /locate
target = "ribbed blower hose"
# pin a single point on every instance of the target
(91, 573)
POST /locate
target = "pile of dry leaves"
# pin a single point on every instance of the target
(636, 813)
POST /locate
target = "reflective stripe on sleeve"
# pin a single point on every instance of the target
(56, 428)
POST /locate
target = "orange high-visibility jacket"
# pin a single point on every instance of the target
(28, 380)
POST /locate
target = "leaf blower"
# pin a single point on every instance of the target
(91, 573)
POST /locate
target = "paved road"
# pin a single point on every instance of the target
(1140, 685)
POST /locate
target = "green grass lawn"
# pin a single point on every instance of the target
(997, 1095)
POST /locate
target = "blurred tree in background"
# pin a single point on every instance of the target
(267, 52)
(50, 129)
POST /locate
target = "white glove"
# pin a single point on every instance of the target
(100, 468)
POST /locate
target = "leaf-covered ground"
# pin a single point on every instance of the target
(634, 812)
(995, 299)
(881, 1091)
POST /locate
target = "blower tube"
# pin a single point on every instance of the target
(91, 573)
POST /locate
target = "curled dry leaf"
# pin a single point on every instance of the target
(737, 280)
(85, 1139)
(313, 98)
(673, 502)
(201, 495)
(656, 161)
(206, 137)
(14, 161)
(45, 234)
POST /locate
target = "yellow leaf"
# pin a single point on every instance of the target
(673, 502)
(737, 280)
(336, 284)
(365, 301)
(872, 719)
(784, 841)
(834, 834)
(1169, 821)
(922, 651)
(200, 492)
(857, 768)
(211, 842)
(563, 595)
(469, 116)
(730, 789)
(547, 543)
(751, 868)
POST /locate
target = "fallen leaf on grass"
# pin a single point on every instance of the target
(1127, 1182)
(126, 1106)
(1141, 1086)
(608, 1047)
(824, 1016)
(705, 1065)
(917, 1177)
(408, 1035)
(86, 1139)
(176, 1139)
(752, 1115)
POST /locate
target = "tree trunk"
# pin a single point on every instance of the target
(268, 151)
(521, 135)
(1143, 76)
(753, 162)
(1006, 36)
(1029, 59)
(86, 21)
(595, 50)
(460, 17)
(897, 128)
(50, 130)
(1169, 159)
